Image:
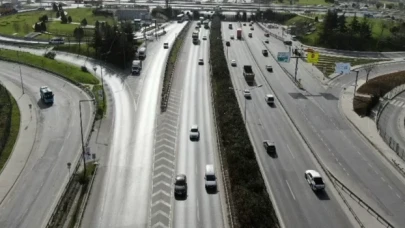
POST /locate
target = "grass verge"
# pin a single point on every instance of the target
(249, 200)
(66, 70)
(82, 49)
(12, 130)
(171, 62)
(100, 98)
(374, 89)
(327, 63)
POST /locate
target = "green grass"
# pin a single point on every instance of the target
(296, 19)
(326, 63)
(101, 106)
(25, 21)
(84, 49)
(66, 70)
(14, 129)
(312, 2)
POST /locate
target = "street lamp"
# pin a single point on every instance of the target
(252, 88)
(19, 65)
(81, 131)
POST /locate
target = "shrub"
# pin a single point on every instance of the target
(84, 69)
(50, 55)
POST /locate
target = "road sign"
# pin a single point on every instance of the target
(342, 68)
(283, 57)
(313, 57)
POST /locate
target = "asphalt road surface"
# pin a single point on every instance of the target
(199, 208)
(35, 194)
(284, 172)
(341, 148)
(121, 194)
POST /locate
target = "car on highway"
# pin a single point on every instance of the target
(244, 24)
(166, 45)
(232, 37)
(314, 180)
(250, 35)
(266, 35)
(252, 28)
(194, 133)
(57, 40)
(180, 185)
(201, 62)
(294, 38)
(227, 43)
(267, 41)
(269, 146)
(204, 37)
(233, 62)
(265, 52)
(269, 98)
(269, 68)
(210, 178)
(247, 94)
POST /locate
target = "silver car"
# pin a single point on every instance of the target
(194, 133)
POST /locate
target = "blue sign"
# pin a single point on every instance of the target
(342, 68)
(283, 57)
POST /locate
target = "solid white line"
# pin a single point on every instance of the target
(290, 151)
(382, 178)
(390, 187)
(290, 189)
(198, 212)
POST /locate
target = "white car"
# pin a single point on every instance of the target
(194, 133)
(269, 98)
(201, 62)
(314, 180)
(233, 62)
(247, 94)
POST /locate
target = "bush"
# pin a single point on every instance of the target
(250, 201)
(50, 55)
(106, 13)
(84, 69)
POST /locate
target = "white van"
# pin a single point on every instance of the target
(210, 178)
(142, 52)
(269, 99)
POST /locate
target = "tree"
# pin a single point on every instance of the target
(78, 33)
(60, 7)
(365, 30)
(355, 25)
(83, 22)
(389, 6)
(57, 14)
(26, 28)
(196, 14)
(244, 16)
(316, 19)
(43, 26)
(63, 18)
(384, 26)
(342, 23)
(368, 69)
(237, 16)
(97, 25)
(37, 27)
(69, 19)
(44, 18)
(16, 27)
(129, 31)
(54, 7)
(378, 5)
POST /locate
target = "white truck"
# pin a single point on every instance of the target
(142, 53)
(46, 95)
(136, 67)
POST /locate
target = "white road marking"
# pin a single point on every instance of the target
(340, 164)
(398, 196)
(290, 151)
(390, 187)
(198, 212)
(290, 189)
(382, 178)
(333, 154)
(359, 152)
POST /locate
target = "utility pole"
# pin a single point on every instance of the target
(355, 84)
(81, 131)
(19, 65)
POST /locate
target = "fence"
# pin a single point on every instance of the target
(382, 119)
(6, 109)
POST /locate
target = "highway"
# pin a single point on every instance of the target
(298, 205)
(121, 196)
(57, 142)
(346, 154)
(200, 208)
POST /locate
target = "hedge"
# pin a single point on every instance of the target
(250, 202)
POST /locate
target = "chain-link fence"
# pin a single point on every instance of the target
(384, 111)
(5, 114)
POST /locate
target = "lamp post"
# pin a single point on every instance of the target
(81, 131)
(254, 87)
(19, 65)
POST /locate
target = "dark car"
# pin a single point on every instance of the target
(265, 53)
(228, 43)
(180, 186)
(269, 146)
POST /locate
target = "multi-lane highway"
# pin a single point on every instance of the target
(346, 154)
(124, 181)
(57, 142)
(199, 208)
(298, 205)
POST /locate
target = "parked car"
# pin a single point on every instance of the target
(270, 147)
(194, 133)
(314, 180)
(180, 185)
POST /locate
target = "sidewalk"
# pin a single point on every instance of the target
(367, 127)
(24, 143)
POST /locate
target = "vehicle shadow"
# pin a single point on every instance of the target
(272, 105)
(322, 195)
(211, 190)
(42, 105)
(180, 197)
(272, 155)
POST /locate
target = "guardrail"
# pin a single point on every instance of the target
(333, 179)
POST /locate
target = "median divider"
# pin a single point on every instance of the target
(170, 66)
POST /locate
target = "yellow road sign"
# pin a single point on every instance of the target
(313, 57)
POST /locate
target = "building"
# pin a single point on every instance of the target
(132, 14)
